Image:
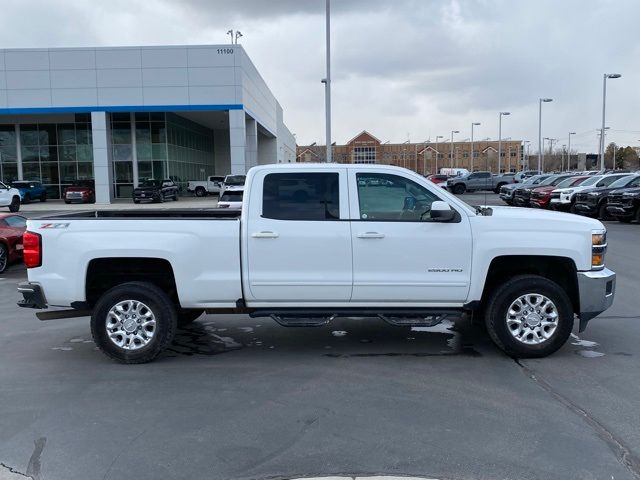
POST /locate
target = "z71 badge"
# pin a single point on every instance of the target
(54, 225)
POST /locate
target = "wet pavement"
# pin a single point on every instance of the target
(242, 398)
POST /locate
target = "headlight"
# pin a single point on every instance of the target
(594, 194)
(631, 194)
(568, 192)
(598, 248)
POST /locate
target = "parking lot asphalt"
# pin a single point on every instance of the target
(240, 398)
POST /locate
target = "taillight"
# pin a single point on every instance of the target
(32, 249)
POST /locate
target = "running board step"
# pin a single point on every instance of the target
(415, 321)
(307, 321)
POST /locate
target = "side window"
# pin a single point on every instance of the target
(472, 176)
(385, 197)
(635, 183)
(301, 196)
(16, 221)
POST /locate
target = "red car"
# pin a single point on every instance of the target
(12, 227)
(541, 196)
(82, 191)
(437, 178)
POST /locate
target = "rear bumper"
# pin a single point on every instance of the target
(32, 296)
(597, 291)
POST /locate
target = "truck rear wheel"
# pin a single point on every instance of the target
(529, 316)
(134, 322)
(459, 189)
(200, 192)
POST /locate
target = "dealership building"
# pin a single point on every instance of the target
(125, 114)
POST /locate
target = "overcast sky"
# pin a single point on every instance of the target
(401, 68)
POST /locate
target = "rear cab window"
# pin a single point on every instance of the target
(310, 196)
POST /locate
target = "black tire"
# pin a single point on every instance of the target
(43, 198)
(502, 298)
(136, 201)
(68, 202)
(498, 187)
(638, 215)
(15, 205)
(175, 197)
(201, 192)
(459, 189)
(4, 257)
(602, 212)
(186, 317)
(159, 304)
(27, 199)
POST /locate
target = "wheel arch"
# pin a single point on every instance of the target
(561, 270)
(107, 272)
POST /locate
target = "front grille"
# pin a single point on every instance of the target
(615, 198)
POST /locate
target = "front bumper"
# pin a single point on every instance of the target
(621, 210)
(586, 208)
(597, 290)
(32, 296)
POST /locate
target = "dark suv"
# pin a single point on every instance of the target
(593, 202)
(156, 190)
(624, 204)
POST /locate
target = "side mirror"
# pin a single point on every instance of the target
(442, 212)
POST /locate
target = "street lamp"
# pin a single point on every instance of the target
(525, 153)
(472, 125)
(502, 114)
(604, 104)
(540, 149)
(435, 170)
(238, 35)
(452, 132)
(569, 151)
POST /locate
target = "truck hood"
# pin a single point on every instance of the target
(549, 218)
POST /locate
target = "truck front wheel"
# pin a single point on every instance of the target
(134, 322)
(459, 189)
(201, 192)
(529, 316)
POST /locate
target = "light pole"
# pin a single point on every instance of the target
(500, 138)
(569, 151)
(238, 35)
(525, 153)
(471, 163)
(604, 106)
(540, 150)
(230, 33)
(435, 170)
(327, 83)
(564, 149)
(452, 132)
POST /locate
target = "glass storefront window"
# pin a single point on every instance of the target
(67, 153)
(30, 154)
(83, 134)
(47, 134)
(9, 172)
(49, 172)
(85, 171)
(122, 153)
(121, 134)
(143, 151)
(67, 134)
(68, 172)
(31, 171)
(84, 153)
(28, 135)
(145, 170)
(159, 152)
(7, 136)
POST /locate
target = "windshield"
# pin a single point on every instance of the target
(591, 181)
(621, 182)
(20, 184)
(234, 180)
(151, 183)
(2, 185)
(231, 197)
(571, 182)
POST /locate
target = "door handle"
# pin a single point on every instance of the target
(264, 235)
(370, 235)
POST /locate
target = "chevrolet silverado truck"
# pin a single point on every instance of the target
(317, 241)
(203, 188)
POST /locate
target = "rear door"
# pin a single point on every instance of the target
(298, 237)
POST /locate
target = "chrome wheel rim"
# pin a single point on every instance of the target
(130, 324)
(532, 319)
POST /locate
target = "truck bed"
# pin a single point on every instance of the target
(187, 213)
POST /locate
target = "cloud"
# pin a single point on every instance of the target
(422, 67)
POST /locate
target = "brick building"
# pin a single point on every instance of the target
(420, 157)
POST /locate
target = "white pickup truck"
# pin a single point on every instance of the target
(317, 241)
(201, 188)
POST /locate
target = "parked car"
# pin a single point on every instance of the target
(82, 191)
(211, 185)
(438, 179)
(507, 191)
(541, 196)
(156, 190)
(30, 191)
(593, 202)
(9, 197)
(343, 249)
(12, 227)
(477, 181)
(624, 204)
(564, 198)
(231, 199)
(233, 182)
(520, 177)
(522, 194)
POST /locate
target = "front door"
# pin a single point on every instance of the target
(299, 238)
(5, 195)
(399, 254)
